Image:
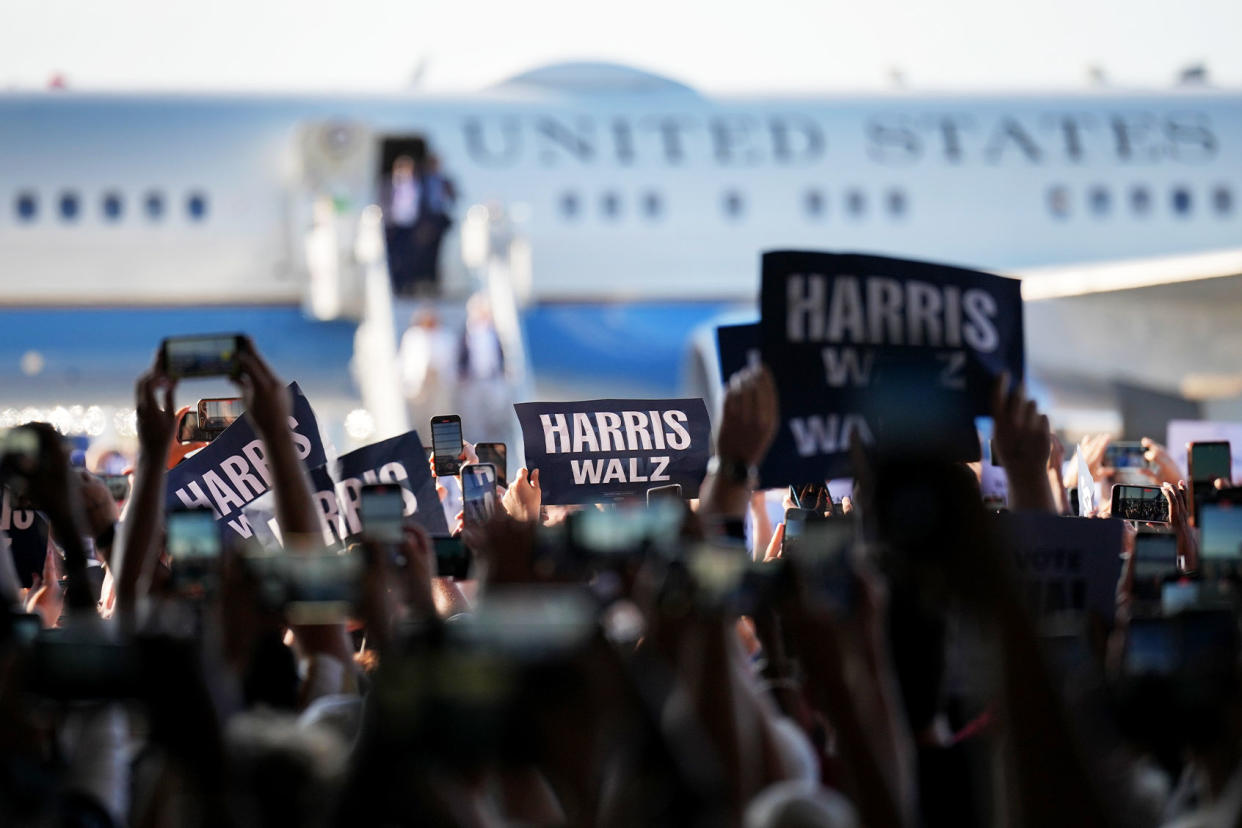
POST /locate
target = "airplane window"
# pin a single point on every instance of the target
(196, 206)
(1059, 201)
(896, 200)
(1100, 201)
(855, 203)
(27, 206)
(153, 204)
(1181, 201)
(653, 205)
(569, 205)
(68, 206)
(813, 203)
(611, 205)
(112, 206)
(733, 204)
(1222, 200)
(1140, 200)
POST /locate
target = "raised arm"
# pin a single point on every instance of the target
(1023, 441)
(748, 424)
(269, 408)
(138, 550)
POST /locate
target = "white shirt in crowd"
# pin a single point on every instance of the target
(404, 207)
(484, 349)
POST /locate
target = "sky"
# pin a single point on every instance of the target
(742, 47)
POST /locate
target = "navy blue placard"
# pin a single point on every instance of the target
(400, 460)
(232, 471)
(903, 352)
(598, 451)
(738, 346)
(1065, 564)
(27, 531)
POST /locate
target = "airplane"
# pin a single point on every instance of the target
(643, 205)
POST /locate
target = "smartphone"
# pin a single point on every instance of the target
(382, 509)
(65, 668)
(213, 355)
(446, 444)
(498, 455)
(323, 588)
(1155, 556)
(795, 523)
(24, 628)
(118, 486)
(194, 548)
(1125, 455)
(1220, 531)
(478, 491)
(453, 559)
(1152, 646)
(1208, 462)
(215, 414)
(187, 429)
(670, 492)
(1141, 503)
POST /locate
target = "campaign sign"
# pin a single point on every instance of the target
(738, 346)
(232, 470)
(900, 351)
(27, 531)
(603, 450)
(1065, 563)
(261, 513)
(398, 460)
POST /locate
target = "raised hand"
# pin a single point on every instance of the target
(1178, 497)
(267, 399)
(749, 419)
(1166, 469)
(523, 497)
(1023, 441)
(156, 411)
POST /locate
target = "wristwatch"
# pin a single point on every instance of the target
(733, 471)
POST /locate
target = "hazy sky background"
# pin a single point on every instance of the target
(769, 45)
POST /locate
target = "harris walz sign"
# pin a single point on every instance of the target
(605, 450)
(896, 350)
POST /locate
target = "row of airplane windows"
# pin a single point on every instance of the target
(815, 203)
(70, 206)
(1099, 200)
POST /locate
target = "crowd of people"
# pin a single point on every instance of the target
(885, 670)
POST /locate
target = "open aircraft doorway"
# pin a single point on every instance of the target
(417, 199)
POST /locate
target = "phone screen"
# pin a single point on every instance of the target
(670, 492)
(446, 444)
(1220, 525)
(382, 509)
(218, 413)
(118, 486)
(498, 455)
(193, 535)
(1152, 646)
(1209, 461)
(452, 558)
(200, 356)
(194, 547)
(1125, 456)
(478, 491)
(1142, 503)
(323, 588)
(1155, 555)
